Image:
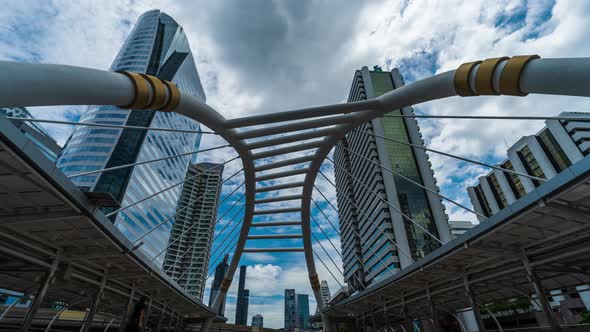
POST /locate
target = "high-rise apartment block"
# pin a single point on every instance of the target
(243, 299)
(554, 148)
(187, 256)
(290, 316)
(36, 134)
(325, 291)
(156, 46)
(367, 191)
(220, 271)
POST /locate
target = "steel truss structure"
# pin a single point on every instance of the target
(268, 144)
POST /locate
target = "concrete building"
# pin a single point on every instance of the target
(257, 321)
(243, 299)
(325, 290)
(458, 227)
(360, 209)
(557, 146)
(302, 311)
(187, 257)
(290, 317)
(157, 46)
(217, 281)
(42, 140)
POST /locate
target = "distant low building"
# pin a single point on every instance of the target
(42, 140)
(458, 227)
(257, 321)
(339, 295)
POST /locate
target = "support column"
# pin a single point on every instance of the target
(125, 316)
(433, 311)
(207, 324)
(472, 301)
(49, 277)
(327, 323)
(169, 325)
(148, 311)
(94, 307)
(161, 318)
(404, 313)
(536, 282)
(178, 323)
(373, 323)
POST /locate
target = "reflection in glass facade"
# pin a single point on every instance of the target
(156, 46)
(368, 255)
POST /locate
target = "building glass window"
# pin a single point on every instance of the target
(531, 164)
(558, 158)
(514, 180)
(412, 199)
(497, 191)
(485, 206)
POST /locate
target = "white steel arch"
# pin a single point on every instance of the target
(320, 127)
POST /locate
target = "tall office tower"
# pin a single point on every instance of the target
(325, 291)
(560, 144)
(42, 140)
(217, 281)
(257, 321)
(302, 311)
(243, 299)
(156, 46)
(290, 316)
(360, 209)
(187, 256)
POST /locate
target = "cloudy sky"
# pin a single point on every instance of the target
(264, 56)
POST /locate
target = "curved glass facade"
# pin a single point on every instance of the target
(156, 46)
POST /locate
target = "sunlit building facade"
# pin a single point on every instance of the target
(368, 255)
(157, 46)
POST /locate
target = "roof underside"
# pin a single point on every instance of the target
(43, 215)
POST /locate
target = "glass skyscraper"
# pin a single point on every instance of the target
(217, 281)
(368, 255)
(302, 311)
(243, 299)
(156, 46)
